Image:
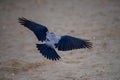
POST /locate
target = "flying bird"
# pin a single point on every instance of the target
(52, 41)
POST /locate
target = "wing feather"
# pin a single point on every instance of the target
(69, 43)
(48, 52)
(38, 29)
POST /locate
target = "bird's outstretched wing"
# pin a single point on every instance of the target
(48, 52)
(69, 43)
(38, 29)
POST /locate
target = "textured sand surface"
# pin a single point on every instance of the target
(96, 20)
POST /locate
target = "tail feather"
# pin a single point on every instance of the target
(48, 52)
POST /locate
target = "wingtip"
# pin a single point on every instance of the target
(89, 44)
(21, 18)
(55, 59)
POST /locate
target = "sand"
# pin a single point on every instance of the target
(96, 20)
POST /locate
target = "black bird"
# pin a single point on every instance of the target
(52, 41)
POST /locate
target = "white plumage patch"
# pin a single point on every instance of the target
(52, 39)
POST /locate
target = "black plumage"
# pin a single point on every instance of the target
(48, 52)
(52, 41)
(38, 29)
(68, 43)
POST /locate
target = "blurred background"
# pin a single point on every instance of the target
(96, 20)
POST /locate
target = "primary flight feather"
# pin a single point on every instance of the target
(52, 41)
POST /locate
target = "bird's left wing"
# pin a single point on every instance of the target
(68, 43)
(38, 29)
(48, 52)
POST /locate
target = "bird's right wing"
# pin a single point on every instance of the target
(38, 29)
(68, 43)
(48, 52)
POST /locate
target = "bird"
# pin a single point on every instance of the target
(50, 41)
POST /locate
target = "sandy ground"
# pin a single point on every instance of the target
(96, 20)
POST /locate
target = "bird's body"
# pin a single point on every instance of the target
(52, 41)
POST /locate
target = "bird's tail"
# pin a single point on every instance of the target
(47, 52)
